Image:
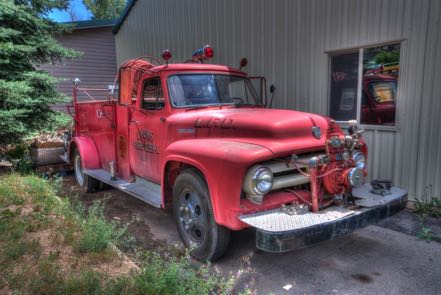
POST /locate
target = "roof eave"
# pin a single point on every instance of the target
(123, 16)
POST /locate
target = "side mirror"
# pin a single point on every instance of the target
(272, 91)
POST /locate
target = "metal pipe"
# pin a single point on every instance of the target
(314, 189)
(77, 115)
(289, 181)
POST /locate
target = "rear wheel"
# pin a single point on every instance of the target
(85, 181)
(194, 217)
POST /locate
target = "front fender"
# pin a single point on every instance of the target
(223, 164)
(89, 154)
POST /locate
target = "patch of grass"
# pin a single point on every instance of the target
(30, 208)
(16, 249)
(48, 278)
(176, 276)
(97, 233)
(89, 282)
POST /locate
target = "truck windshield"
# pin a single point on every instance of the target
(189, 90)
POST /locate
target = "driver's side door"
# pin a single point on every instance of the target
(147, 130)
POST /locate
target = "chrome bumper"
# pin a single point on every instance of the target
(277, 231)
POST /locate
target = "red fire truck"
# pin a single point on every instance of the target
(200, 139)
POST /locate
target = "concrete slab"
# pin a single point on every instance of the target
(373, 260)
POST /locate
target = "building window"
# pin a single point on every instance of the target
(364, 85)
(153, 97)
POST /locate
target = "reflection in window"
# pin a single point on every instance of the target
(344, 77)
(380, 75)
(378, 89)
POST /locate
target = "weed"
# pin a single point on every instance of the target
(425, 209)
(98, 234)
(425, 233)
(430, 208)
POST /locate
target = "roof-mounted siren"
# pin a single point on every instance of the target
(203, 53)
(166, 56)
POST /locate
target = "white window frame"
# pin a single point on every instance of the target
(360, 49)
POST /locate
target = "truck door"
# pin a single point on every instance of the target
(148, 131)
(122, 125)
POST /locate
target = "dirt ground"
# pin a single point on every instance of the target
(142, 219)
(374, 260)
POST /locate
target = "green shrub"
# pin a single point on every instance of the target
(20, 158)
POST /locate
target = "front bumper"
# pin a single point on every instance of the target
(277, 231)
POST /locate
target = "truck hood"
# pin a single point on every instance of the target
(281, 131)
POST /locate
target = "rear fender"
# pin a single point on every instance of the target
(89, 154)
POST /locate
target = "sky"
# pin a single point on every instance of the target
(79, 8)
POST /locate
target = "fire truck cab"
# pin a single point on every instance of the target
(200, 139)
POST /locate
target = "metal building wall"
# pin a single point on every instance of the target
(96, 68)
(288, 42)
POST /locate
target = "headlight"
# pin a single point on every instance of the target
(359, 159)
(356, 177)
(262, 181)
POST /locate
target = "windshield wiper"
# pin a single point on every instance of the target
(242, 104)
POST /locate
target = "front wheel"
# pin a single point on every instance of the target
(194, 217)
(85, 181)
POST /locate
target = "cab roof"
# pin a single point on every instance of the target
(140, 64)
(196, 67)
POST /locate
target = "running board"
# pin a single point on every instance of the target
(144, 190)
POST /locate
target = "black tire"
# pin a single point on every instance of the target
(88, 183)
(193, 213)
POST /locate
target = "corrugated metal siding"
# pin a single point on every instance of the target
(96, 68)
(287, 41)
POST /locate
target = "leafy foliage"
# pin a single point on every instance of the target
(26, 92)
(105, 9)
(385, 57)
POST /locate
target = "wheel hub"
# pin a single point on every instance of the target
(188, 215)
(191, 216)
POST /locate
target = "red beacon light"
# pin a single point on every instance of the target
(203, 53)
(166, 55)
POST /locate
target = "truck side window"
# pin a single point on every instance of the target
(152, 95)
